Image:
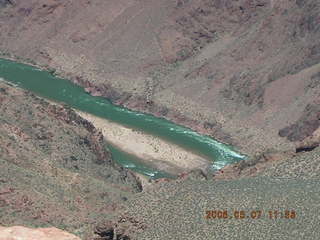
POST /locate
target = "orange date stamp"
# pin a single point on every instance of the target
(253, 214)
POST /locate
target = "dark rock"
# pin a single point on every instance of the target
(208, 125)
(314, 81)
(108, 231)
(25, 11)
(305, 126)
(98, 147)
(129, 177)
(4, 3)
(163, 111)
(243, 88)
(300, 3)
(307, 148)
(105, 231)
(310, 143)
(3, 91)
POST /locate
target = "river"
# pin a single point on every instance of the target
(63, 91)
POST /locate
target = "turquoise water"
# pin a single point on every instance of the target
(46, 85)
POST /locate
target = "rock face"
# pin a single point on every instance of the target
(3, 3)
(23, 233)
(55, 167)
(309, 143)
(305, 126)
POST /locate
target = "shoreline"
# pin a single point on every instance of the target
(187, 161)
(172, 159)
(151, 150)
(121, 99)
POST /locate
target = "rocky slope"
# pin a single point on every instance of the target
(177, 209)
(243, 71)
(55, 168)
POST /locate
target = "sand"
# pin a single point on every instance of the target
(153, 150)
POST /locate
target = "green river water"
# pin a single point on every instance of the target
(60, 90)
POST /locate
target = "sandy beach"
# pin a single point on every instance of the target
(153, 150)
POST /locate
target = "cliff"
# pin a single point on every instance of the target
(55, 167)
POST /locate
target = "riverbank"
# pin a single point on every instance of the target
(228, 83)
(154, 151)
(60, 90)
(203, 124)
(247, 139)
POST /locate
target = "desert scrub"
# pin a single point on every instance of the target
(164, 70)
(183, 54)
(31, 61)
(5, 54)
(3, 91)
